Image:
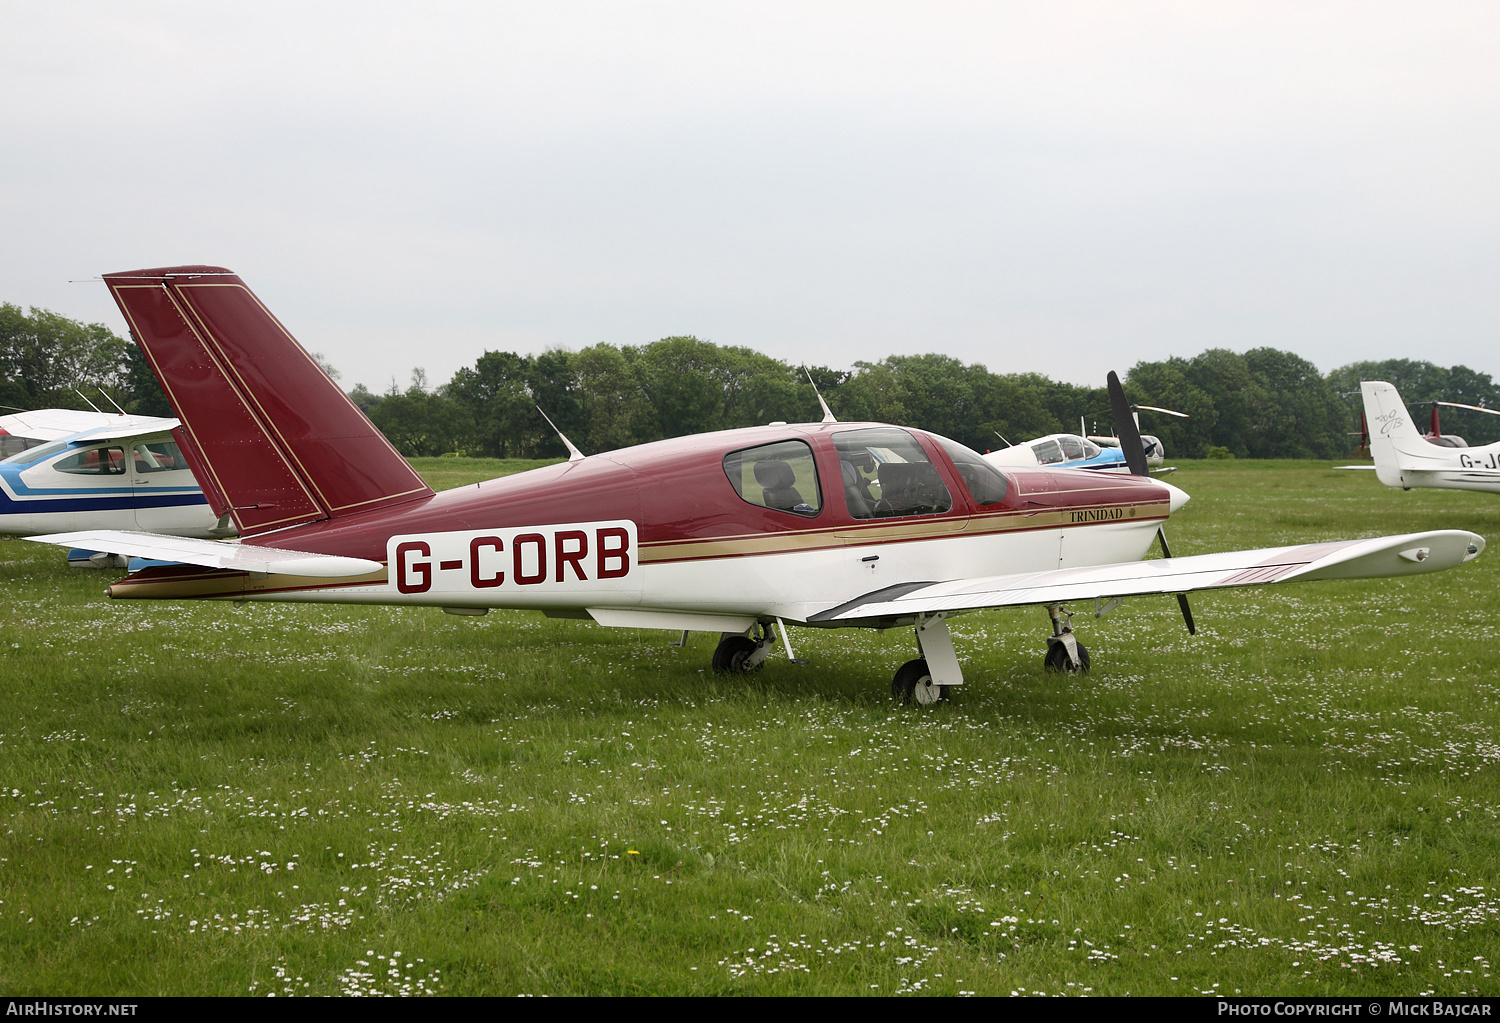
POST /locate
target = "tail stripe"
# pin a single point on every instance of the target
(176, 353)
(331, 506)
(280, 441)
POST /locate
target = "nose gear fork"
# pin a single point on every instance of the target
(1064, 653)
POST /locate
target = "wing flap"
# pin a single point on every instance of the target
(1407, 554)
(213, 553)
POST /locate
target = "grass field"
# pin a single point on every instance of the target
(214, 798)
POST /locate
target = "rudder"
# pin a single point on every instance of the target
(1391, 429)
(272, 438)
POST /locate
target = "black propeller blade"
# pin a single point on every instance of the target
(1135, 457)
(1125, 428)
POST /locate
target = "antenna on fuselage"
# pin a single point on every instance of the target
(87, 402)
(574, 455)
(111, 401)
(828, 416)
(997, 433)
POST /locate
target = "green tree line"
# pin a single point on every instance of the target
(1264, 403)
(46, 360)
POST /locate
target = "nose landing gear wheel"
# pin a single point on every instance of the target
(913, 684)
(1057, 657)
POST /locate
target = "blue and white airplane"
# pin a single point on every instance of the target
(116, 472)
(1071, 451)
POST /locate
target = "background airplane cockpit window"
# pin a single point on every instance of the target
(94, 462)
(782, 476)
(158, 456)
(1048, 452)
(986, 484)
(886, 473)
(36, 454)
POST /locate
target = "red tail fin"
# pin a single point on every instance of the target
(272, 439)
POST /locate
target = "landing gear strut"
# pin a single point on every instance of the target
(913, 684)
(1064, 652)
(930, 678)
(741, 653)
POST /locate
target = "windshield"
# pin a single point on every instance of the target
(37, 454)
(986, 485)
(886, 473)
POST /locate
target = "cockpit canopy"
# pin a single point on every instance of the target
(1053, 449)
(884, 472)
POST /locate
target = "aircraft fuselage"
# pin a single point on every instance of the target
(663, 529)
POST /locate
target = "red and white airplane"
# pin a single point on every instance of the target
(824, 525)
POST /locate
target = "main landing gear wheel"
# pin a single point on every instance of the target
(739, 654)
(913, 684)
(1057, 657)
(732, 655)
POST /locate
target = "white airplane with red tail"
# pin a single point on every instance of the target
(825, 525)
(1405, 458)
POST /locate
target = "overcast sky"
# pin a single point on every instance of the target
(1054, 187)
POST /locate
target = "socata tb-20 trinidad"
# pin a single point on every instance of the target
(824, 525)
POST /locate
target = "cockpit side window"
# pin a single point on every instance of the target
(1048, 452)
(158, 456)
(886, 473)
(94, 462)
(1072, 447)
(1090, 449)
(986, 485)
(781, 476)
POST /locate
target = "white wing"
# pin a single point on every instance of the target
(122, 431)
(1408, 554)
(57, 423)
(213, 553)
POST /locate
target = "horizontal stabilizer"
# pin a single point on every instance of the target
(1409, 554)
(213, 553)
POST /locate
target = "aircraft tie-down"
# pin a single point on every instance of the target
(827, 525)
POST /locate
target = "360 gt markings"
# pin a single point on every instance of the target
(549, 557)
